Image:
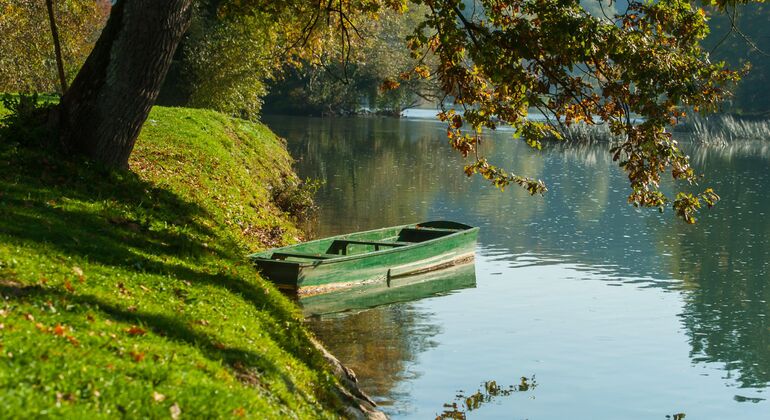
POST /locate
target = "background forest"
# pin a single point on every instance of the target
(240, 66)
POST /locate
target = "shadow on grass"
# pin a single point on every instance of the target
(115, 219)
(247, 365)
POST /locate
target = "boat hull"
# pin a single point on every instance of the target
(400, 289)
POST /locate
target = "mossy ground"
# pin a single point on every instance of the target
(126, 293)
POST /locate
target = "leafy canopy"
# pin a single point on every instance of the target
(634, 65)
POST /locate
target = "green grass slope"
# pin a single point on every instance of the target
(127, 294)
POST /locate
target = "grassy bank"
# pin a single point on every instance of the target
(127, 293)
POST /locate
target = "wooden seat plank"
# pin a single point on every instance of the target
(384, 243)
(283, 255)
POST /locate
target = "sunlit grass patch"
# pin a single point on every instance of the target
(127, 293)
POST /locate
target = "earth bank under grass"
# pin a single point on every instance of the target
(127, 293)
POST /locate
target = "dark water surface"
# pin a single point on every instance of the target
(618, 313)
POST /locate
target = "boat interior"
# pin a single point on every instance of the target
(364, 242)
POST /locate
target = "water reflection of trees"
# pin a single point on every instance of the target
(378, 344)
(383, 172)
(725, 265)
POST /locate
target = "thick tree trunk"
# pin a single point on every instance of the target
(102, 113)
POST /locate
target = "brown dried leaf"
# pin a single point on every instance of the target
(135, 330)
(137, 355)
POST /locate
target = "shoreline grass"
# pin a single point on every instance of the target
(127, 293)
(722, 129)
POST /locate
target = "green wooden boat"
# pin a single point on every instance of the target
(371, 257)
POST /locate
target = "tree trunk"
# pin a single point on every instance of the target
(56, 46)
(102, 113)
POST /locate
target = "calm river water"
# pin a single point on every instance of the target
(617, 313)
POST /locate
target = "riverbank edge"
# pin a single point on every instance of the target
(128, 292)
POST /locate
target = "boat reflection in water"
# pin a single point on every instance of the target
(399, 289)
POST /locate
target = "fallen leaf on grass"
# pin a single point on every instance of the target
(157, 396)
(175, 411)
(68, 286)
(122, 289)
(134, 330)
(59, 330)
(137, 355)
(29, 317)
(79, 272)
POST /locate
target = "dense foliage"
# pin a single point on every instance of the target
(27, 61)
(231, 60)
(366, 76)
(740, 36)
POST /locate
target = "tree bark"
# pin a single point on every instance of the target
(102, 113)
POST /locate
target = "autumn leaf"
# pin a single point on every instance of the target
(157, 396)
(59, 330)
(135, 330)
(137, 355)
(68, 286)
(422, 71)
(389, 84)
